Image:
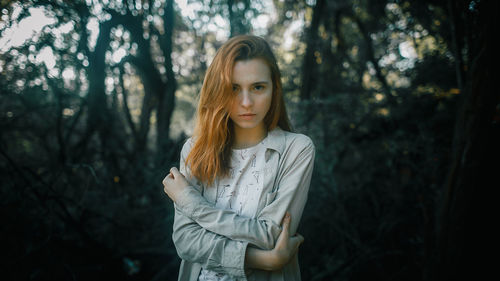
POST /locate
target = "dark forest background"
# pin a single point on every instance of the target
(397, 95)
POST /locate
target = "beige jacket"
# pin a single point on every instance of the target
(215, 239)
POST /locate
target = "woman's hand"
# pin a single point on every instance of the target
(285, 248)
(174, 183)
(286, 245)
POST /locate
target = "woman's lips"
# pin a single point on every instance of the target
(247, 116)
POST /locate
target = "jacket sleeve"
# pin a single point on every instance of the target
(213, 251)
(290, 195)
(196, 244)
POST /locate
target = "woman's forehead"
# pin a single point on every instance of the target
(251, 71)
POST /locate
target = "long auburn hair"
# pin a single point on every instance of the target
(213, 134)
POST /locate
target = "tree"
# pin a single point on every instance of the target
(463, 233)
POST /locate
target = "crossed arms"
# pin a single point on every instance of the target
(221, 240)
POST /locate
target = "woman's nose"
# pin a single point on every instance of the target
(246, 99)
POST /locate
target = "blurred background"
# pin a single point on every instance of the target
(98, 96)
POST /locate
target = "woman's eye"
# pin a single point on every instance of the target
(235, 88)
(259, 87)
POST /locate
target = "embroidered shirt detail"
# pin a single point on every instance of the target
(240, 191)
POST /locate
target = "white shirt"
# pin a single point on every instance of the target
(240, 191)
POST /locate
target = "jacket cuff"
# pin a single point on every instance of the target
(234, 260)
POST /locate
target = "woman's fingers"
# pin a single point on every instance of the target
(167, 177)
(174, 183)
(286, 224)
(175, 173)
(286, 218)
(172, 175)
(284, 235)
(296, 240)
(286, 245)
(301, 238)
(178, 176)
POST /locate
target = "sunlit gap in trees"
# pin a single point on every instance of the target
(31, 28)
(28, 28)
(40, 20)
(219, 23)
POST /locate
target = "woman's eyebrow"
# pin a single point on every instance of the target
(254, 83)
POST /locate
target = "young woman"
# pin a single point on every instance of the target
(244, 176)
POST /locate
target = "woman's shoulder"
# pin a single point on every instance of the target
(189, 141)
(291, 145)
(297, 141)
(186, 147)
(298, 150)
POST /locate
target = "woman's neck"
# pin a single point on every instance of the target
(245, 138)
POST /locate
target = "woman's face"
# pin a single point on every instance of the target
(253, 92)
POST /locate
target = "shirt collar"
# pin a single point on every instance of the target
(275, 140)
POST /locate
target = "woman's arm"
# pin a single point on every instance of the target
(214, 252)
(291, 195)
(286, 247)
(221, 254)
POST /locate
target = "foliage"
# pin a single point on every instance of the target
(96, 105)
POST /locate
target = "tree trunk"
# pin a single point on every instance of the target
(309, 63)
(97, 66)
(370, 52)
(166, 101)
(238, 24)
(463, 235)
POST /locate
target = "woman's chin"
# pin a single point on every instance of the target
(247, 125)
